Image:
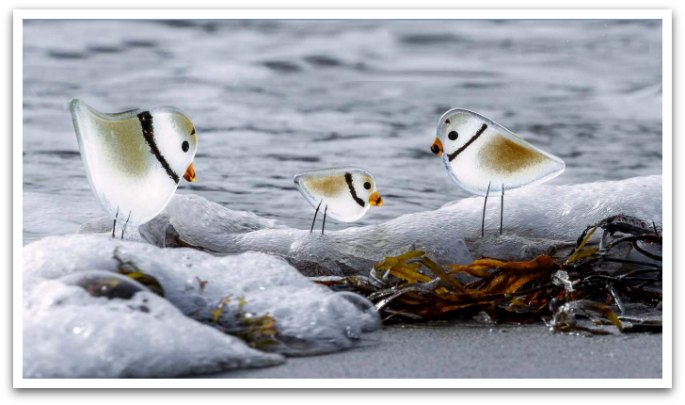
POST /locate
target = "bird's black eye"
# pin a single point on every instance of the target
(447, 121)
(367, 185)
(453, 135)
(185, 145)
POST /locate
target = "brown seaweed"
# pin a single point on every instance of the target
(606, 284)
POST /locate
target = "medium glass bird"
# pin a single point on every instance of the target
(346, 193)
(484, 158)
(133, 158)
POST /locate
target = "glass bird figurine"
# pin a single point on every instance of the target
(134, 159)
(485, 158)
(345, 193)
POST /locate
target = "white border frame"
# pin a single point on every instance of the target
(341, 14)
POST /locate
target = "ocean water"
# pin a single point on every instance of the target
(273, 98)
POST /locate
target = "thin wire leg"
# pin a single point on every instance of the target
(501, 211)
(485, 203)
(315, 214)
(324, 219)
(125, 223)
(114, 226)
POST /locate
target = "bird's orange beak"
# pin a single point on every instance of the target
(375, 199)
(189, 175)
(436, 147)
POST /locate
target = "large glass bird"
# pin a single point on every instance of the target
(134, 159)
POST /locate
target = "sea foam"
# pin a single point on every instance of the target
(536, 220)
(68, 333)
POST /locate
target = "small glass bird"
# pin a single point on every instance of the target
(346, 193)
(484, 158)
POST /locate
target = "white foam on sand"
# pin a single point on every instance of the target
(536, 219)
(202, 223)
(69, 333)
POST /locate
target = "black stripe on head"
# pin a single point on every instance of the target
(145, 119)
(348, 180)
(456, 153)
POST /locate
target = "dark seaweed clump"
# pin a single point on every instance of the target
(611, 282)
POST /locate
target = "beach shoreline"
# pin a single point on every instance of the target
(473, 350)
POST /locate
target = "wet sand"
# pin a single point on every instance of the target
(478, 351)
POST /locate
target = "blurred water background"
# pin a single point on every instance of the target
(273, 98)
